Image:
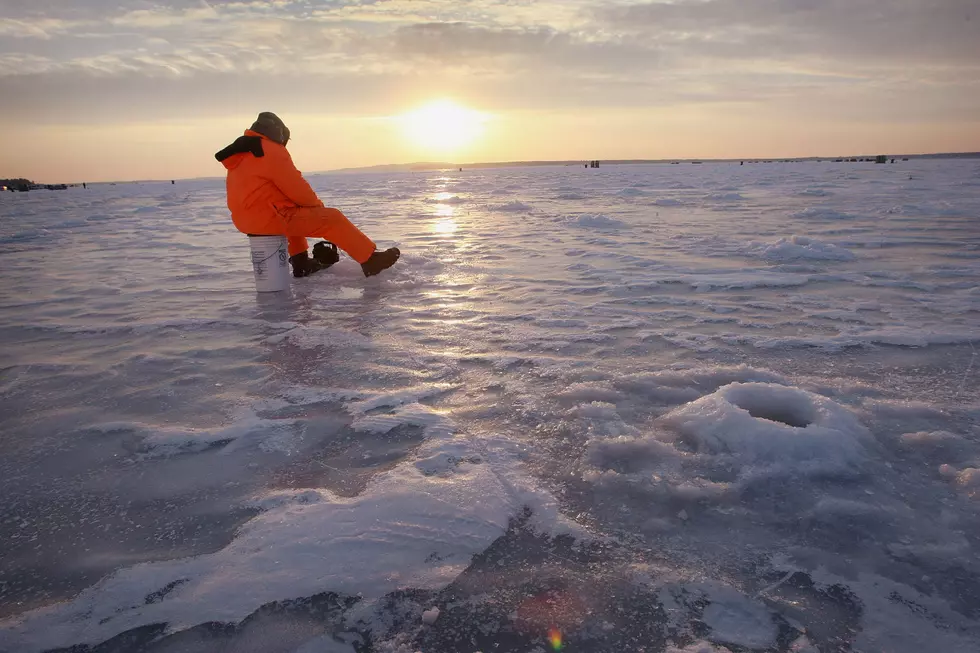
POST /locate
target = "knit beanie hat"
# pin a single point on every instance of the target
(268, 124)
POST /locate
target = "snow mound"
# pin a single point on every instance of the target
(801, 248)
(967, 479)
(765, 424)
(429, 616)
(815, 192)
(514, 207)
(594, 221)
(453, 199)
(630, 192)
(724, 197)
(936, 444)
(821, 213)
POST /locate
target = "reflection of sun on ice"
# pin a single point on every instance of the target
(445, 227)
(443, 125)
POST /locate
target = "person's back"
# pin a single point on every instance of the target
(267, 195)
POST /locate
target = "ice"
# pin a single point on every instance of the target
(630, 192)
(801, 247)
(967, 479)
(597, 221)
(445, 198)
(514, 206)
(429, 616)
(815, 192)
(425, 525)
(328, 644)
(724, 197)
(698, 647)
(816, 213)
(736, 619)
(768, 424)
(705, 408)
(803, 645)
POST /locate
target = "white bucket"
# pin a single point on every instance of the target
(270, 262)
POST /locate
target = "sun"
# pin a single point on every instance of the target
(443, 126)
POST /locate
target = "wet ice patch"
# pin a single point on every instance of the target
(736, 619)
(729, 616)
(764, 424)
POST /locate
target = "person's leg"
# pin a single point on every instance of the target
(329, 224)
(297, 244)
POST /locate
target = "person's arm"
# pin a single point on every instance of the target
(290, 181)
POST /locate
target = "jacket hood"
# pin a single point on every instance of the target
(232, 156)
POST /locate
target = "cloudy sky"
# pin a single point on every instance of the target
(116, 89)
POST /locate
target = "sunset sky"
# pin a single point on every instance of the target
(113, 90)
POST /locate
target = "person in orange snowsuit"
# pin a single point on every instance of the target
(268, 196)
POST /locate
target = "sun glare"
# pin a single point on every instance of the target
(443, 126)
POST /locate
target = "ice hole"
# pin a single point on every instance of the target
(792, 410)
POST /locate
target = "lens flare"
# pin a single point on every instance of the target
(554, 638)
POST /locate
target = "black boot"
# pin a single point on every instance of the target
(326, 253)
(303, 265)
(380, 261)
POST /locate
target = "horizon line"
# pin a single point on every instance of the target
(428, 166)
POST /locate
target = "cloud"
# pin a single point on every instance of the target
(946, 31)
(59, 56)
(43, 28)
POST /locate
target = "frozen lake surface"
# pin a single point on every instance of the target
(640, 408)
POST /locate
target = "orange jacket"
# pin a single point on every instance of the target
(259, 188)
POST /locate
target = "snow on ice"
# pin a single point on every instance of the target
(727, 408)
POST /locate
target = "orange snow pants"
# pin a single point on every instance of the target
(298, 223)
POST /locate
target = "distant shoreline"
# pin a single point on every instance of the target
(428, 166)
(421, 166)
